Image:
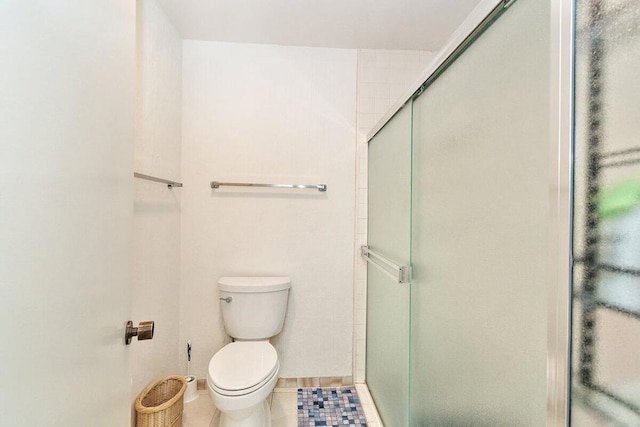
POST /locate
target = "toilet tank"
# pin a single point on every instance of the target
(256, 308)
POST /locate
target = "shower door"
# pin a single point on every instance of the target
(479, 230)
(606, 285)
(387, 300)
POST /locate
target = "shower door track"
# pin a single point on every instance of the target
(476, 23)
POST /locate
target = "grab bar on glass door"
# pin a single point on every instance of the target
(402, 273)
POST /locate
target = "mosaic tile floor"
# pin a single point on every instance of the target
(329, 407)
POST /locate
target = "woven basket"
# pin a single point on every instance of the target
(160, 403)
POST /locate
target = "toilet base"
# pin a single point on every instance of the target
(258, 417)
(244, 410)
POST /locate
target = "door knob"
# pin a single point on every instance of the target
(144, 331)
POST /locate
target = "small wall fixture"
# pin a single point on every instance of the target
(169, 183)
(144, 331)
(319, 187)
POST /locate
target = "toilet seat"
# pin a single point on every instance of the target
(242, 367)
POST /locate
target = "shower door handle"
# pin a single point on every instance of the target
(402, 273)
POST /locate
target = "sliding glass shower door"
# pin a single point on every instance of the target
(459, 183)
(480, 217)
(388, 300)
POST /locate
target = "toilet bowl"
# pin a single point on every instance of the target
(240, 378)
(242, 374)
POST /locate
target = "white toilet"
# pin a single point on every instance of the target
(243, 373)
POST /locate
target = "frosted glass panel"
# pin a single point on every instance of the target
(606, 289)
(387, 300)
(479, 245)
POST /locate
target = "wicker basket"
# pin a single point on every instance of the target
(160, 403)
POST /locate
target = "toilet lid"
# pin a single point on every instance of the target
(242, 365)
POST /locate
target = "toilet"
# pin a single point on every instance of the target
(243, 373)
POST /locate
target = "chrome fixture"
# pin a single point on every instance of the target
(227, 299)
(170, 184)
(402, 272)
(319, 187)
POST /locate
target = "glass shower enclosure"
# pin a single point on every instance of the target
(523, 304)
(458, 188)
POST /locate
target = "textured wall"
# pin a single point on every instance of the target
(273, 119)
(271, 114)
(156, 285)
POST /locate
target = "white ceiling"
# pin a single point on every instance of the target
(379, 24)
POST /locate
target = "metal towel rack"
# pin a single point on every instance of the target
(402, 273)
(170, 184)
(217, 184)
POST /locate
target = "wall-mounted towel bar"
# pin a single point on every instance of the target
(319, 187)
(169, 183)
(402, 272)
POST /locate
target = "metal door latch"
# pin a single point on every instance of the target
(144, 331)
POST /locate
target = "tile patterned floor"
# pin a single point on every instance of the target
(284, 409)
(331, 407)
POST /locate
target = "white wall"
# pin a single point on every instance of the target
(156, 281)
(261, 113)
(383, 77)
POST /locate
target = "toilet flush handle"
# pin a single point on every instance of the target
(227, 299)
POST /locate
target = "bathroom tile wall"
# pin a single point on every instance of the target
(383, 77)
(259, 113)
(156, 282)
(277, 114)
